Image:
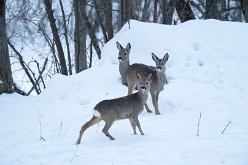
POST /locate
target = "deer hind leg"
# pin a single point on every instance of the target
(155, 102)
(105, 129)
(136, 121)
(92, 121)
(133, 125)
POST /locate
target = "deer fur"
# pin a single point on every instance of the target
(128, 107)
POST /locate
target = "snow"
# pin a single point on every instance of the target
(206, 72)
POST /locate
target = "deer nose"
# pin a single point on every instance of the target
(159, 67)
(143, 87)
(120, 58)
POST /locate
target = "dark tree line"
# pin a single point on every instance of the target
(74, 31)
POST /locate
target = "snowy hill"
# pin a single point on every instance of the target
(207, 73)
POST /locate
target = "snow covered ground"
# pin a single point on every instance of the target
(207, 73)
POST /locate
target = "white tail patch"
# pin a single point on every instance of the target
(96, 113)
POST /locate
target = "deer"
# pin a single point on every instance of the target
(123, 60)
(127, 107)
(158, 78)
(128, 71)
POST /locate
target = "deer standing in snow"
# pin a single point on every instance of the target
(128, 72)
(128, 107)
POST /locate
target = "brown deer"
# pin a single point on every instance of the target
(128, 107)
(158, 78)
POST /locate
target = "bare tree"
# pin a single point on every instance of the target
(168, 9)
(211, 9)
(49, 11)
(6, 80)
(244, 6)
(94, 40)
(126, 11)
(80, 35)
(107, 5)
(184, 11)
(66, 37)
(99, 20)
(155, 12)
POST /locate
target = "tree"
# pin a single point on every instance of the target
(107, 5)
(167, 11)
(184, 11)
(49, 11)
(6, 80)
(244, 7)
(80, 35)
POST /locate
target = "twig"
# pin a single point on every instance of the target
(226, 126)
(23, 66)
(41, 138)
(39, 77)
(61, 125)
(198, 125)
(74, 154)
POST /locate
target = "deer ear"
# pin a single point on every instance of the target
(154, 57)
(119, 46)
(166, 57)
(138, 75)
(128, 47)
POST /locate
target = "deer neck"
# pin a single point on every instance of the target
(123, 66)
(143, 96)
(161, 76)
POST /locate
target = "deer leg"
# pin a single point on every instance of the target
(105, 129)
(92, 121)
(133, 125)
(147, 108)
(136, 121)
(155, 103)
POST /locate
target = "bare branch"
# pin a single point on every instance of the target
(24, 67)
(41, 137)
(198, 125)
(40, 77)
(226, 126)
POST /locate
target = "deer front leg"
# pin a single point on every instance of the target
(155, 102)
(147, 108)
(133, 125)
(136, 121)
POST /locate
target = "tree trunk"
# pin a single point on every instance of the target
(145, 12)
(107, 5)
(93, 37)
(66, 38)
(168, 9)
(155, 12)
(49, 11)
(244, 7)
(80, 36)
(125, 11)
(184, 11)
(6, 80)
(100, 22)
(211, 9)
